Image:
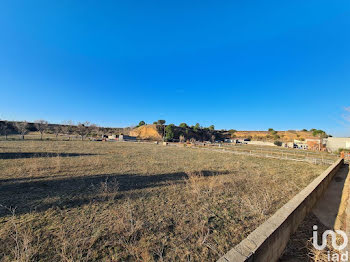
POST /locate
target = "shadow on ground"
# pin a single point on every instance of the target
(34, 196)
(18, 155)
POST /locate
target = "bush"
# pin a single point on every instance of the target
(169, 133)
(276, 136)
(183, 125)
(196, 127)
(278, 143)
(232, 131)
(343, 149)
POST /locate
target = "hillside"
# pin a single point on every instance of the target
(285, 136)
(148, 132)
(154, 132)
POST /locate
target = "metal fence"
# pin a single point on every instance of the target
(277, 155)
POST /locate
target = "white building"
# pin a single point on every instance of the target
(335, 143)
(300, 144)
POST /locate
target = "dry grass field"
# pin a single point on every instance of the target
(109, 201)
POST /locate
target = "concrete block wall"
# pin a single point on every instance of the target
(268, 241)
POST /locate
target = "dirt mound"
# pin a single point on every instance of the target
(146, 132)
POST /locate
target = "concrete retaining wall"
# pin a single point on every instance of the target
(268, 241)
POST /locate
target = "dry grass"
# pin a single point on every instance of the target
(104, 201)
(300, 247)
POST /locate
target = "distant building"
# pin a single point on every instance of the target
(300, 144)
(316, 144)
(126, 138)
(335, 143)
(288, 144)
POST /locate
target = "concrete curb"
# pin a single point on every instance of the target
(268, 241)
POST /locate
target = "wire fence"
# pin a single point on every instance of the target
(325, 160)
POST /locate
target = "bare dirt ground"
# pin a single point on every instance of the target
(109, 201)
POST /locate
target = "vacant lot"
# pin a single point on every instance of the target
(109, 201)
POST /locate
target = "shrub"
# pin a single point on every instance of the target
(343, 149)
(169, 132)
(196, 127)
(278, 143)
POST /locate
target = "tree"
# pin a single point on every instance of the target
(196, 127)
(41, 126)
(304, 130)
(22, 128)
(4, 128)
(83, 129)
(320, 133)
(183, 125)
(169, 132)
(56, 130)
(182, 138)
(270, 130)
(211, 128)
(155, 123)
(161, 122)
(67, 127)
(94, 130)
(278, 143)
(142, 123)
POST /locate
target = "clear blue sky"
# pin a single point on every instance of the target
(248, 65)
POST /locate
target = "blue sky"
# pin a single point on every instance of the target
(247, 65)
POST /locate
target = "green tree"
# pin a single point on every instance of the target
(278, 143)
(211, 128)
(169, 132)
(161, 122)
(196, 127)
(142, 123)
(270, 130)
(183, 125)
(319, 133)
(155, 123)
